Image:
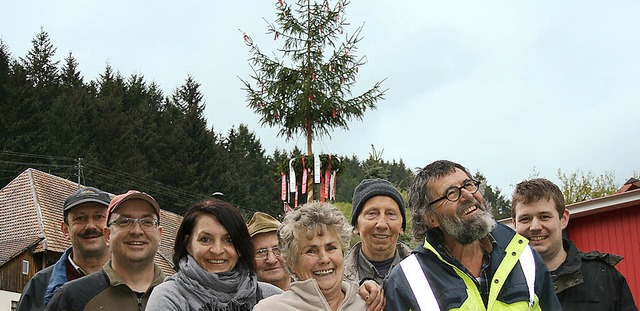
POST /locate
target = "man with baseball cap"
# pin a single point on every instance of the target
(378, 217)
(125, 282)
(85, 215)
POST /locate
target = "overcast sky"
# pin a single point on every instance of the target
(503, 87)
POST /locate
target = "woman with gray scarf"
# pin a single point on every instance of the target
(214, 261)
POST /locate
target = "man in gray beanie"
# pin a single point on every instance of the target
(378, 217)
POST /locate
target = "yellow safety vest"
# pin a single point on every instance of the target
(518, 249)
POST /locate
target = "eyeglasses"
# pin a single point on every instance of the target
(453, 193)
(127, 223)
(263, 253)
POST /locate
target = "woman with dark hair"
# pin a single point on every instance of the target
(213, 258)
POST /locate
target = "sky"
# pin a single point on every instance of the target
(507, 88)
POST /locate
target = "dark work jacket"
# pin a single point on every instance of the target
(589, 281)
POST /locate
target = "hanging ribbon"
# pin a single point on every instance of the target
(304, 177)
(332, 188)
(295, 204)
(327, 183)
(292, 176)
(322, 190)
(316, 168)
(284, 187)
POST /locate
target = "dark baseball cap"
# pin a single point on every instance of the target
(86, 195)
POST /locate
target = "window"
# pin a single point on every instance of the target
(25, 267)
(14, 305)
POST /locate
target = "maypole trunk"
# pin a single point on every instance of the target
(310, 154)
(308, 121)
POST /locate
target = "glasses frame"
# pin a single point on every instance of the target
(155, 223)
(266, 250)
(464, 184)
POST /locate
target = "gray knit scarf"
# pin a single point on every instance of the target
(224, 291)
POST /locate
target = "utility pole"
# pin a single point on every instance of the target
(79, 167)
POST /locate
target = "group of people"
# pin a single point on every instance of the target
(464, 260)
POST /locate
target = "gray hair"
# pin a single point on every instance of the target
(309, 220)
(419, 196)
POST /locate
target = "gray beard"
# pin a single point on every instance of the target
(465, 231)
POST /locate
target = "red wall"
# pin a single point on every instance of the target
(612, 232)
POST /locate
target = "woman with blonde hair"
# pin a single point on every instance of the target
(313, 240)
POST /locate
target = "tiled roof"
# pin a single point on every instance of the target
(170, 223)
(31, 214)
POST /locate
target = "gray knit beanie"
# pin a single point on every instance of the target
(369, 188)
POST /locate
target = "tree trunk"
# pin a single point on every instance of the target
(309, 153)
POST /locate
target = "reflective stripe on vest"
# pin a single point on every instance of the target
(417, 280)
(528, 265)
(423, 292)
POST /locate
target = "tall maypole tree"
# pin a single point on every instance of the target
(311, 92)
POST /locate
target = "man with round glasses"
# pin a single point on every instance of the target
(269, 262)
(466, 260)
(125, 282)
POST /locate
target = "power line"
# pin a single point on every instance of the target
(36, 164)
(151, 183)
(35, 156)
(112, 177)
(147, 184)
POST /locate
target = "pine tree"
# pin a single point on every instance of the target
(70, 76)
(5, 77)
(41, 70)
(311, 94)
(374, 166)
(493, 198)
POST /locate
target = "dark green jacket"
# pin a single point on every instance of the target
(103, 290)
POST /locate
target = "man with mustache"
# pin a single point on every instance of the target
(378, 217)
(465, 261)
(582, 281)
(85, 215)
(133, 233)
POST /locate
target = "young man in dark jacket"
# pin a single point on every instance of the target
(582, 281)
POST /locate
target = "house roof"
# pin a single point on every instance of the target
(31, 214)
